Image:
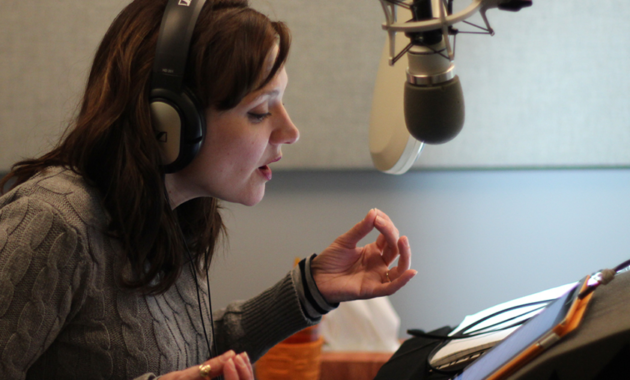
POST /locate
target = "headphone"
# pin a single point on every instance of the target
(177, 116)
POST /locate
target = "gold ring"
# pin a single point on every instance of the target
(204, 371)
(387, 275)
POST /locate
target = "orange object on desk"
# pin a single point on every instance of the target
(309, 334)
(297, 357)
(340, 365)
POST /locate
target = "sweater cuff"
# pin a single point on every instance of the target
(312, 301)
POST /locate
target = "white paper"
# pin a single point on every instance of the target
(459, 348)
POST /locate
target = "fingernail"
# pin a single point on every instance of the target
(415, 272)
(230, 363)
(239, 361)
(227, 355)
(244, 354)
(368, 214)
(378, 221)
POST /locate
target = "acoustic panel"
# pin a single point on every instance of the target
(548, 90)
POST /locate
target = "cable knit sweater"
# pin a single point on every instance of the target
(64, 316)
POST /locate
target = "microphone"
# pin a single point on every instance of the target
(433, 97)
(434, 101)
(430, 107)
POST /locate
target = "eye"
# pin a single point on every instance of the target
(258, 117)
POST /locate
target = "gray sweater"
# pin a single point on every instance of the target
(64, 316)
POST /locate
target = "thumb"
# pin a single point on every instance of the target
(359, 231)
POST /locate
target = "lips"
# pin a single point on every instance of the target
(265, 170)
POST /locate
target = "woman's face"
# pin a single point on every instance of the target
(240, 144)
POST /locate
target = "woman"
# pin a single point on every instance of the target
(103, 256)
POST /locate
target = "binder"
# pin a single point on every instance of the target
(536, 335)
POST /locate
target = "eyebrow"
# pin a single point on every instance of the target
(266, 93)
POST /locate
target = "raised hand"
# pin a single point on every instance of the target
(345, 272)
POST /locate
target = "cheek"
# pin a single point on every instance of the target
(232, 147)
(249, 149)
(233, 155)
(219, 144)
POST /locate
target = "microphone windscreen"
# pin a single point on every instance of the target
(434, 114)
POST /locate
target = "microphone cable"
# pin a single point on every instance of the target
(604, 277)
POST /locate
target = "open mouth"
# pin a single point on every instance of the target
(265, 170)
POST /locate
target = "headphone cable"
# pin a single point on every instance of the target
(212, 353)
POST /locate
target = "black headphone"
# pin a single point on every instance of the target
(177, 116)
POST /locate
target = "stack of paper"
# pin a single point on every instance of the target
(490, 326)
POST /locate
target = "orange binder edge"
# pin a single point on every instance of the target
(570, 323)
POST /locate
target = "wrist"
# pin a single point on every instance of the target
(312, 270)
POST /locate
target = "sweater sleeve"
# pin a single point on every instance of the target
(42, 282)
(258, 324)
(312, 301)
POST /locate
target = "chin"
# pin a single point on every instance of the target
(253, 199)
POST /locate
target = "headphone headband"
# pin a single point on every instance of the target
(178, 24)
(178, 118)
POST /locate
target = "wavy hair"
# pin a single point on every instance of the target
(111, 142)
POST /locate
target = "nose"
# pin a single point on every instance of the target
(285, 132)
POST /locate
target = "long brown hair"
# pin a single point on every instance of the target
(112, 144)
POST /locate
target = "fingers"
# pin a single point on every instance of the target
(404, 262)
(359, 231)
(217, 366)
(229, 371)
(381, 242)
(388, 240)
(243, 367)
(389, 288)
(399, 275)
(374, 218)
(230, 365)
(387, 228)
(238, 368)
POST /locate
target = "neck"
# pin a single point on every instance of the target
(176, 194)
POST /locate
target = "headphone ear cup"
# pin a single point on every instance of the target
(179, 126)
